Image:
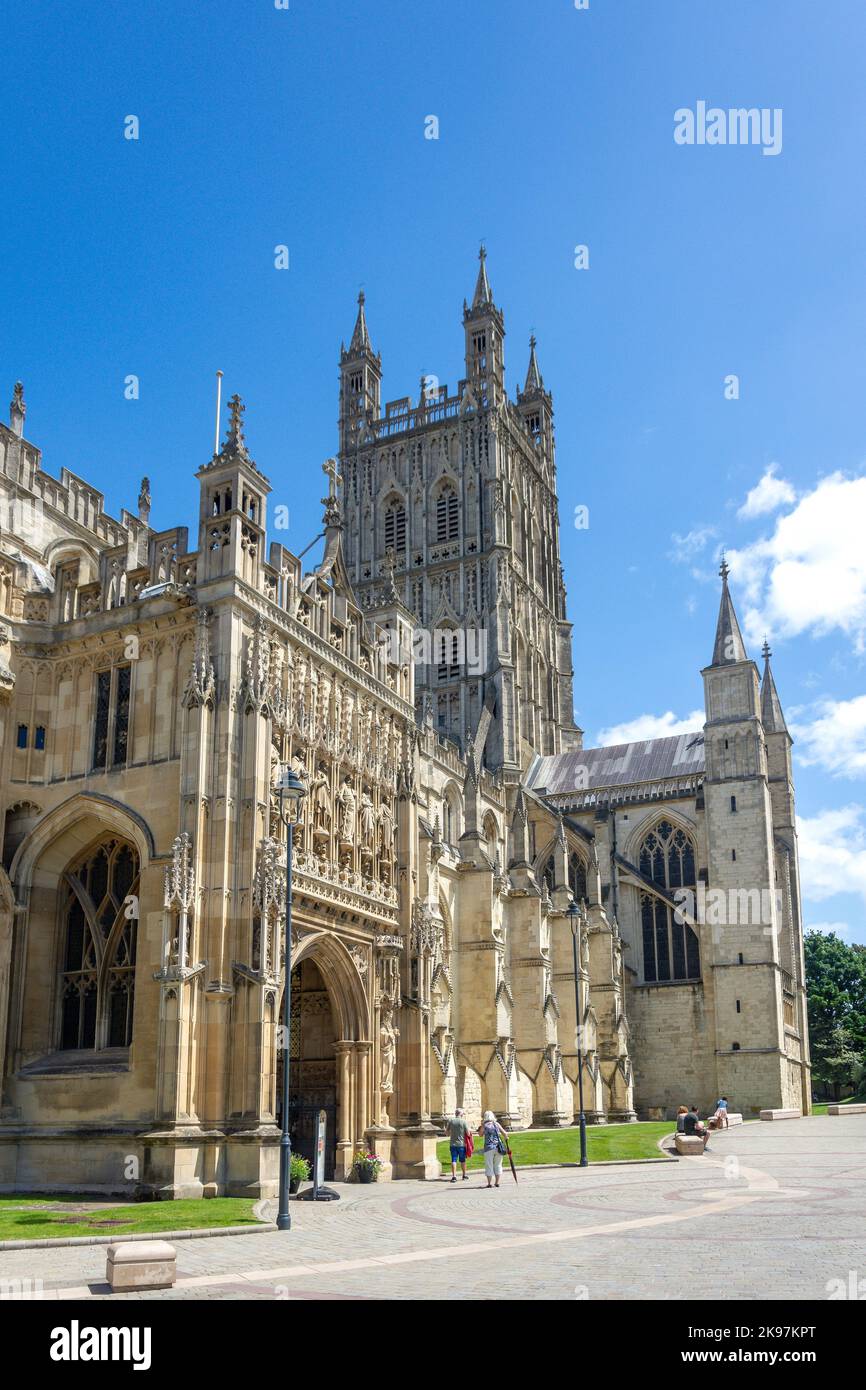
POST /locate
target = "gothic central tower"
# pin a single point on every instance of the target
(455, 495)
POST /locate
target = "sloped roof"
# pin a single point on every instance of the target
(621, 764)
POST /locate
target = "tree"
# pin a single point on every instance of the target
(836, 989)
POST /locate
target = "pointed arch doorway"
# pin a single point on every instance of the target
(313, 1079)
(330, 1052)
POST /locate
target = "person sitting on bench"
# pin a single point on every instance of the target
(694, 1128)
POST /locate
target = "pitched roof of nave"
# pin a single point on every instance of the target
(620, 764)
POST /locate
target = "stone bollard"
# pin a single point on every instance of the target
(141, 1264)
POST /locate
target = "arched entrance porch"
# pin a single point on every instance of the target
(329, 1054)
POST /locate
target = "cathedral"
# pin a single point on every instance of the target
(483, 910)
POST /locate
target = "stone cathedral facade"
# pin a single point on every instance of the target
(419, 681)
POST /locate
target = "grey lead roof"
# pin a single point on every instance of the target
(619, 765)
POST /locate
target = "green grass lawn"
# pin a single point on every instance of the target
(24, 1217)
(563, 1145)
(821, 1109)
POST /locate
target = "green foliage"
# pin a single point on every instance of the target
(603, 1142)
(299, 1168)
(836, 987)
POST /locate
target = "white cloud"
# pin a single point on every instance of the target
(810, 575)
(834, 738)
(651, 726)
(833, 852)
(767, 496)
(689, 546)
(825, 928)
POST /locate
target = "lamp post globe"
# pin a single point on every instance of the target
(291, 793)
(573, 915)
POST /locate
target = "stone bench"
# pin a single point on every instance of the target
(141, 1264)
(734, 1118)
(781, 1114)
(689, 1144)
(846, 1109)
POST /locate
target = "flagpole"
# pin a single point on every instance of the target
(216, 439)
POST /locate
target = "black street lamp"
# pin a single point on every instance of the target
(292, 792)
(573, 915)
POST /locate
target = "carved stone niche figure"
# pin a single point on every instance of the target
(276, 767)
(346, 801)
(386, 831)
(388, 1036)
(367, 821)
(320, 796)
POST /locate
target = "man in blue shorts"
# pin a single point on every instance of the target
(458, 1130)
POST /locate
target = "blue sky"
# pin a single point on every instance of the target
(305, 127)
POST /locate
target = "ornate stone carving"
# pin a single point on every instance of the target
(201, 685)
(425, 930)
(269, 879)
(256, 683)
(179, 897)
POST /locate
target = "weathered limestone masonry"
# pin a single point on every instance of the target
(150, 693)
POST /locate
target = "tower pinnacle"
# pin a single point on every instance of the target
(360, 338)
(482, 294)
(729, 645)
(772, 717)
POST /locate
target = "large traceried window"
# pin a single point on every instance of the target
(100, 915)
(671, 950)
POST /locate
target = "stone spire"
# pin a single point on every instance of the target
(482, 294)
(772, 717)
(17, 410)
(360, 338)
(534, 379)
(729, 646)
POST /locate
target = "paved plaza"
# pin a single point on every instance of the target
(773, 1210)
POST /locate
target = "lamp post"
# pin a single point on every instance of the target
(292, 792)
(573, 914)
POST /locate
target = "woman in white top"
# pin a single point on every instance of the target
(494, 1136)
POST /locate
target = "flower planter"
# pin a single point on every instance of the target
(366, 1175)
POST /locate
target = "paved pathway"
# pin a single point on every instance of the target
(773, 1210)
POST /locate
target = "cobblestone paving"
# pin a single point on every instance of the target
(773, 1210)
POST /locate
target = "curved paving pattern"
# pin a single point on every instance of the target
(768, 1213)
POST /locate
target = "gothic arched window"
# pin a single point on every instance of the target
(577, 878)
(446, 515)
(395, 525)
(100, 914)
(671, 950)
